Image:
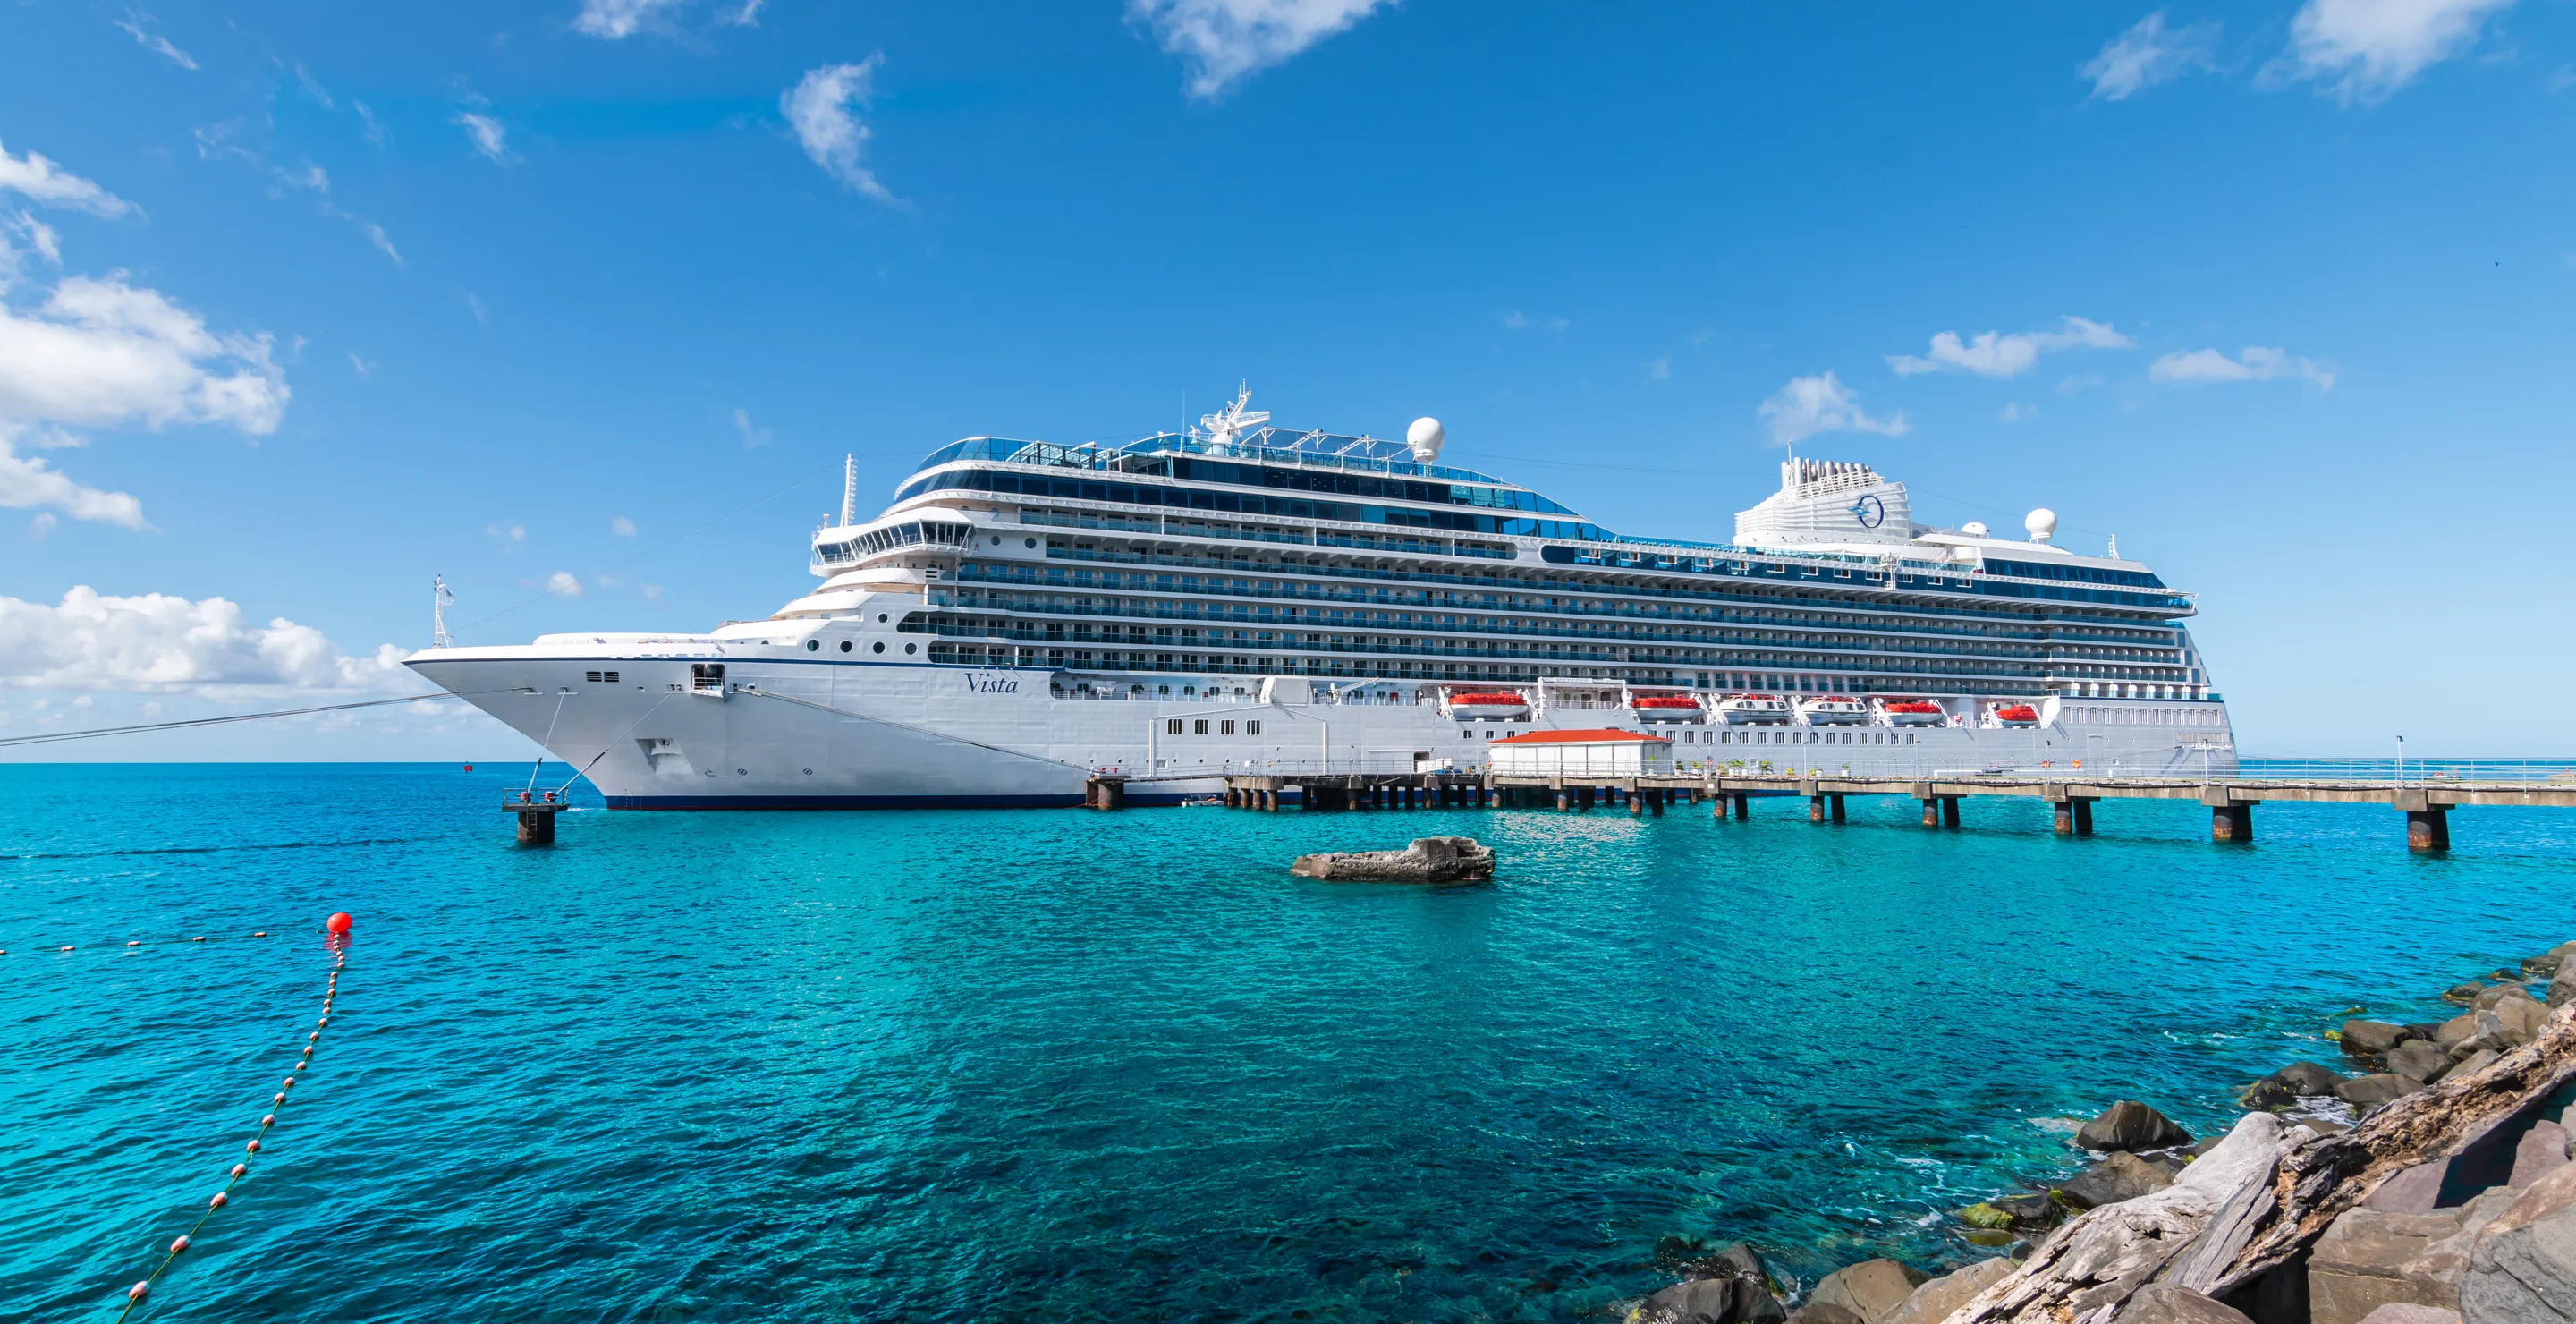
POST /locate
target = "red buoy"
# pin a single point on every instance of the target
(252, 1147)
(239, 1169)
(179, 1245)
(339, 923)
(135, 1293)
(216, 1203)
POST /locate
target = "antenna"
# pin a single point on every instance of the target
(440, 599)
(849, 490)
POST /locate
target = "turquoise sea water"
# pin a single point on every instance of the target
(1066, 1065)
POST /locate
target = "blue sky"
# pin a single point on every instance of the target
(305, 304)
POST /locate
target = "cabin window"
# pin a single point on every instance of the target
(1172, 727)
(1252, 728)
(1225, 728)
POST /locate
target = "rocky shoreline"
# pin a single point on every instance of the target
(2424, 1180)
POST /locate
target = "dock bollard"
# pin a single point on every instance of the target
(536, 817)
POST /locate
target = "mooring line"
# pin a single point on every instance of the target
(338, 927)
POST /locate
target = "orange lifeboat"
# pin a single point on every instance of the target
(2016, 714)
(1668, 708)
(1500, 705)
(1914, 712)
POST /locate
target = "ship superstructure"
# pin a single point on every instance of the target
(1240, 596)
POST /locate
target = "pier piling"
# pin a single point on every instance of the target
(2428, 829)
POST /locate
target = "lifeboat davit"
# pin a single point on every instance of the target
(1753, 710)
(1833, 710)
(1501, 705)
(1913, 712)
(1668, 708)
(2016, 714)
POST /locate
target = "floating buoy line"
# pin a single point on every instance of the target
(338, 927)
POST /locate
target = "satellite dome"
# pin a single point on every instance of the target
(1425, 437)
(1973, 528)
(2042, 523)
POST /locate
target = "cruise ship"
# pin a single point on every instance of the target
(1239, 598)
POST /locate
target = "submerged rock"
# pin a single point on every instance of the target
(2131, 1125)
(1427, 860)
(1730, 1287)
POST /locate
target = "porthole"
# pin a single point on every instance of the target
(997, 540)
(813, 645)
(881, 618)
(809, 772)
(878, 646)
(1029, 542)
(845, 645)
(912, 648)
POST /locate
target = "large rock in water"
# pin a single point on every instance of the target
(2114, 1179)
(2366, 1092)
(2371, 1037)
(2523, 1266)
(2308, 1080)
(1871, 1289)
(1427, 860)
(2131, 1125)
(1730, 1287)
(1934, 1301)
(2418, 1061)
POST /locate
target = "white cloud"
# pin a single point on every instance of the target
(40, 239)
(361, 366)
(28, 483)
(2150, 53)
(1224, 41)
(1660, 368)
(45, 182)
(41, 525)
(152, 41)
(2255, 364)
(745, 15)
(491, 137)
(822, 108)
(2363, 50)
(514, 533)
(751, 436)
(1515, 320)
(622, 527)
(160, 643)
(1995, 354)
(615, 19)
(102, 351)
(2019, 413)
(1809, 405)
(564, 583)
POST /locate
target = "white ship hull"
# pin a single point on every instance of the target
(793, 731)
